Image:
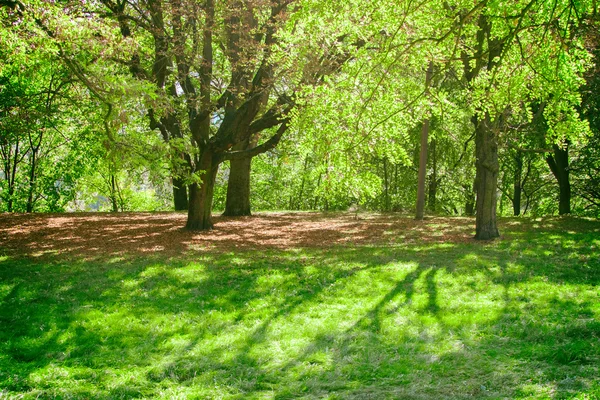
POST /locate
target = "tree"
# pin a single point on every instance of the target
(423, 157)
(35, 111)
(222, 74)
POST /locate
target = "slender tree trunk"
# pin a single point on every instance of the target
(396, 185)
(12, 178)
(316, 201)
(31, 182)
(433, 182)
(386, 187)
(180, 194)
(301, 193)
(10, 186)
(422, 171)
(518, 184)
(559, 165)
(9, 202)
(113, 194)
(423, 156)
(470, 199)
(201, 195)
(487, 167)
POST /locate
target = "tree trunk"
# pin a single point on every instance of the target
(422, 171)
(238, 188)
(518, 185)
(470, 199)
(11, 179)
(180, 195)
(559, 165)
(487, 166)
(386, 183)
(433, 180)
(201, 195)
(9, 202)
(31, 182)
(237, 203)
(423, 156)
(301, 193)
(113, 194)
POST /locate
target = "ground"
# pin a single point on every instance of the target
(297, 305)
(89, 234)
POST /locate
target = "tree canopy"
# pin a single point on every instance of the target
(301, 105)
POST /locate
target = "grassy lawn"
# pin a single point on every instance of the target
(414, 319)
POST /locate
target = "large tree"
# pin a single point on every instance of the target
(223, 74)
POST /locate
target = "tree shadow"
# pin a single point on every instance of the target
(357, 322)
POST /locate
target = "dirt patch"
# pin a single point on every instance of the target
(97, 234)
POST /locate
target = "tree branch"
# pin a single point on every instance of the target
(266, 146)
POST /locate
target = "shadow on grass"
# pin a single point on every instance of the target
(517, 318)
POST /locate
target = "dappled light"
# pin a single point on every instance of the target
(151, 233)
(377, 319)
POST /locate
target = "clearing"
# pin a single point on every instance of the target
(297, 305)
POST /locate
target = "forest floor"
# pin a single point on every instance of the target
(298, 305)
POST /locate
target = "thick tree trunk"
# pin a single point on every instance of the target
(180, 195)
(486, 150)
(559, 165)
(238, 188)
(201, 195)
(237, 203)
(518, 185)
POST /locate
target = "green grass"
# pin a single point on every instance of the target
(517, 318)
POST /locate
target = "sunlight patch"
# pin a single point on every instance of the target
(6, 289)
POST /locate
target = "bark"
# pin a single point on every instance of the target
(386, 185)
(9, 202)
(470, 206)
(180, 195)
(559, 165)
(301, 193)
(238, 188)
(316, 201)
(433, 180)
(237, 203)
(422, 171)
(518, 184)
(31, 181)
(487, 167)
(423, 156)
(11, 179)
(470, 198)
(113, 194)
(201, 195)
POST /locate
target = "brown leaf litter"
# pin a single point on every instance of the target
(105, 234)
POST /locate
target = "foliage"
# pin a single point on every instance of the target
(343, 84)
(41, 131)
